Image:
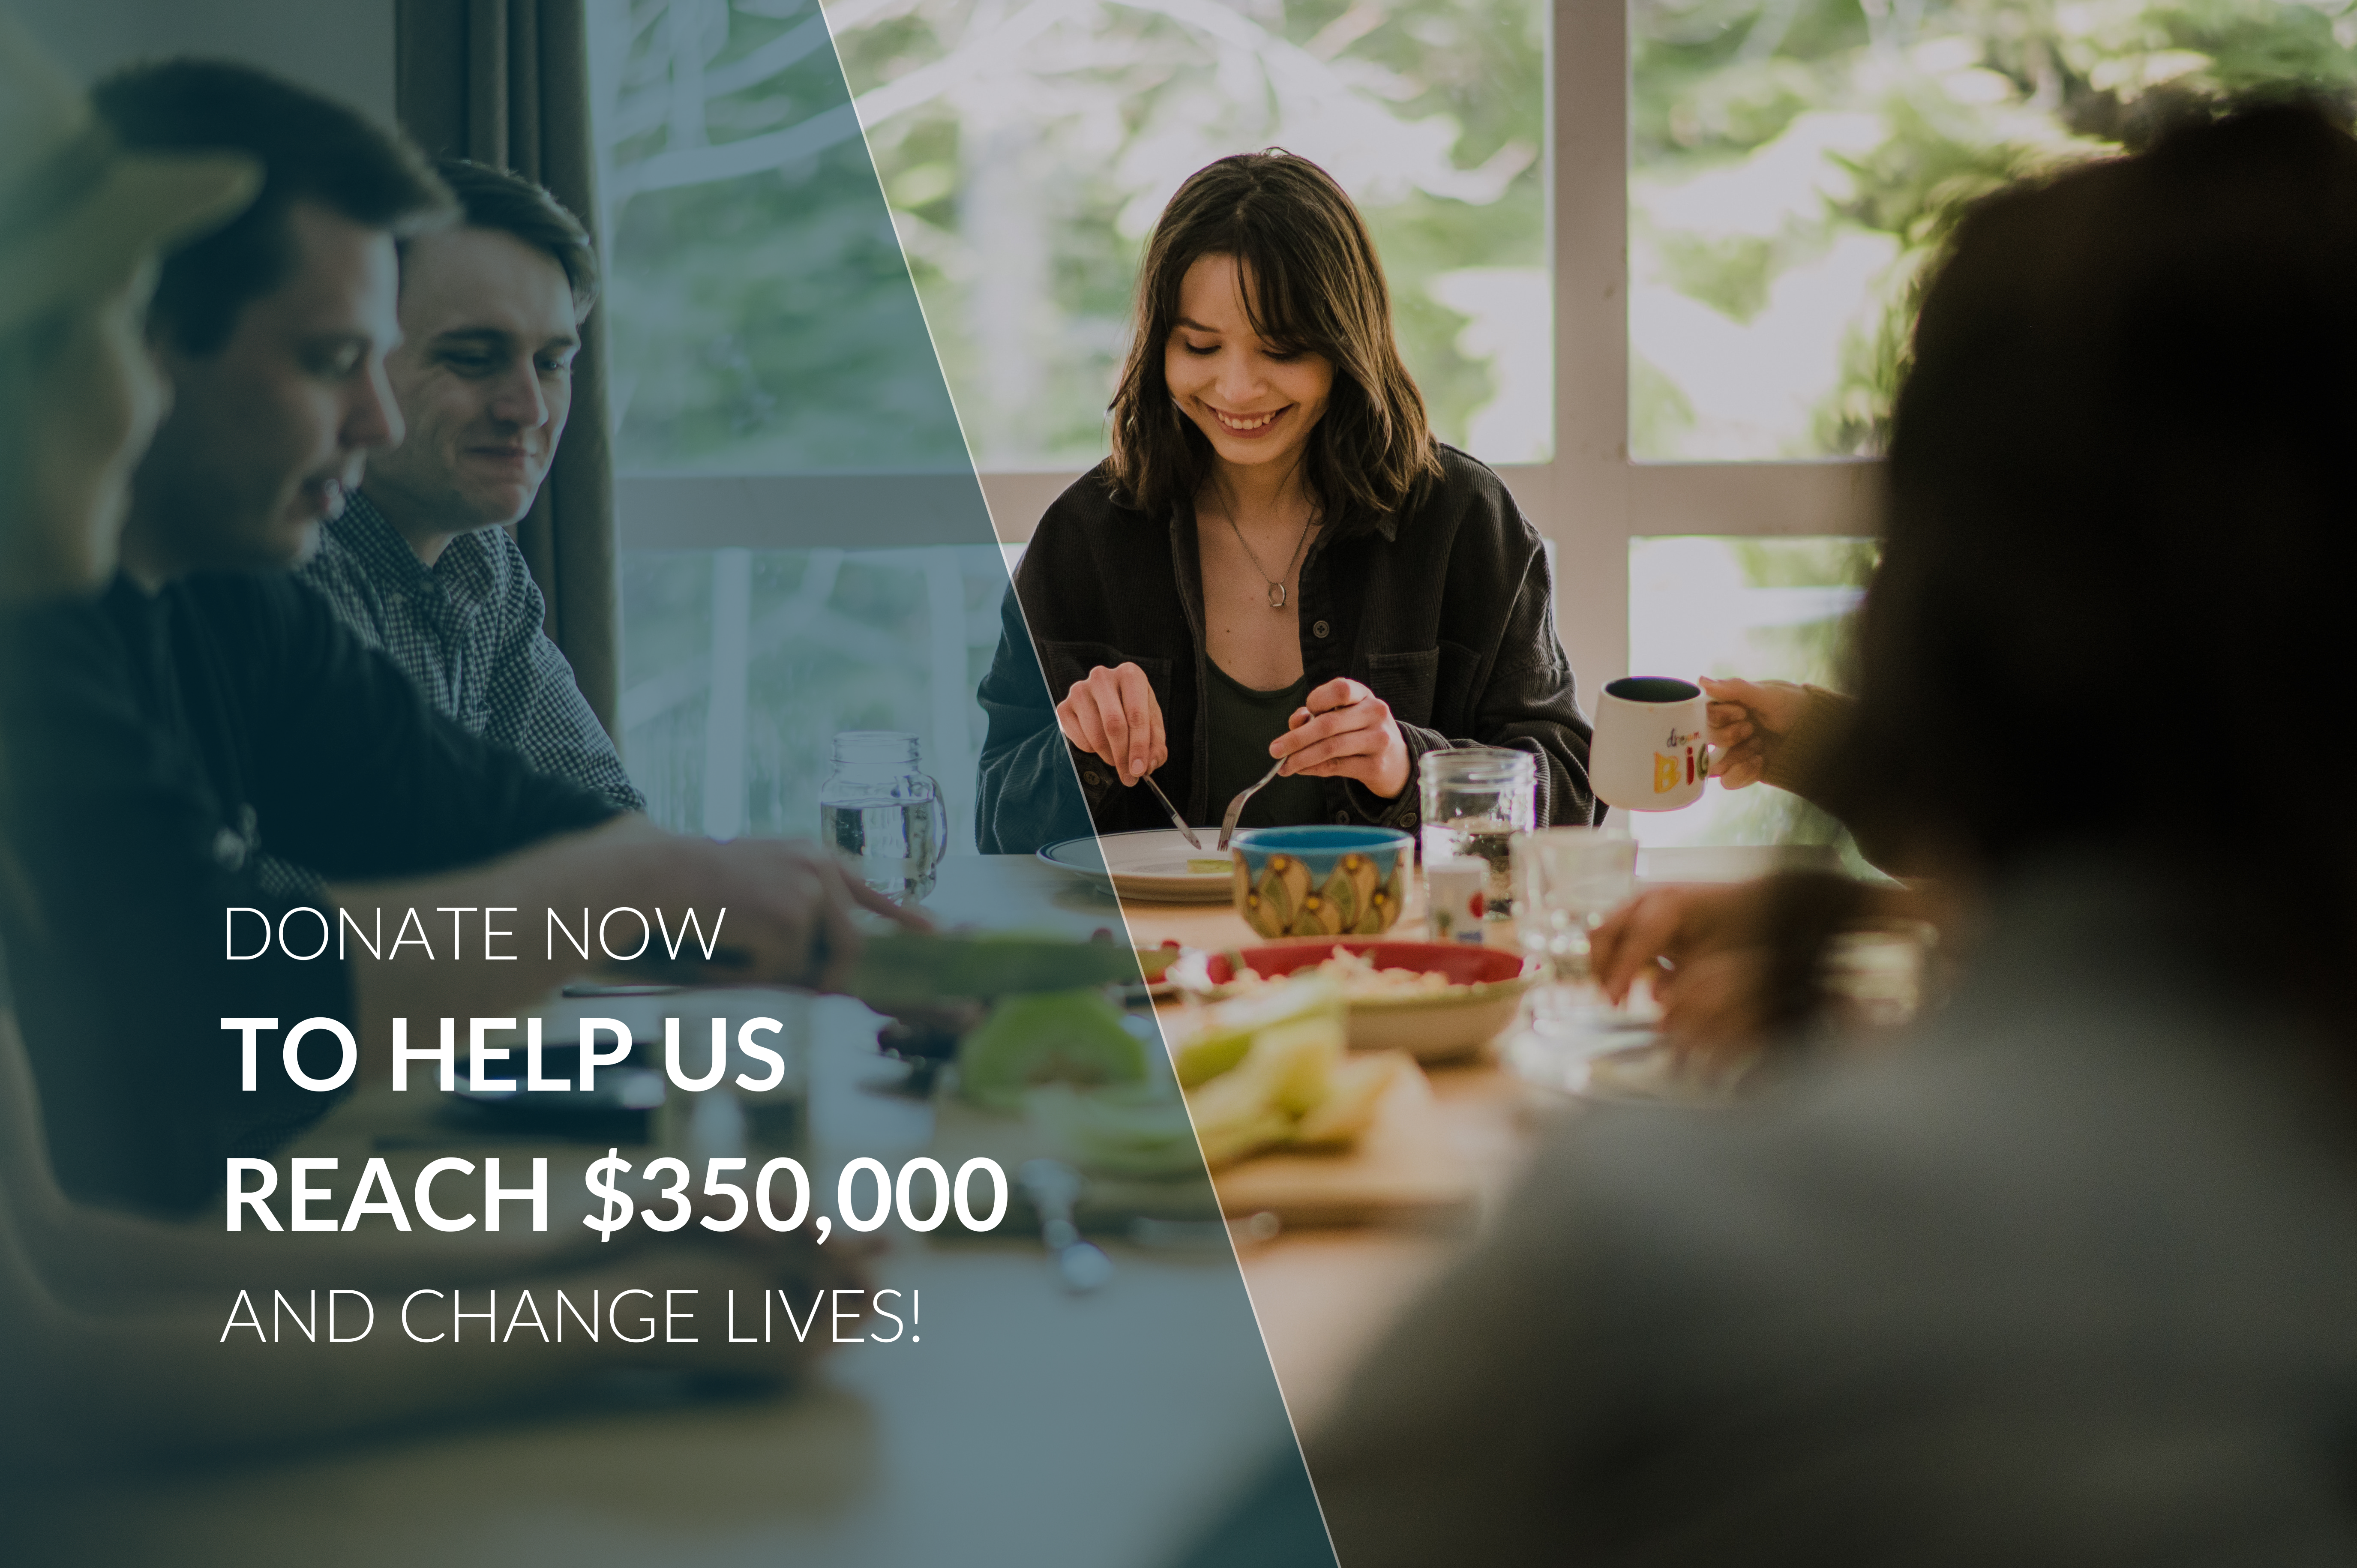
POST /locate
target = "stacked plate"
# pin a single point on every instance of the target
(1158, 866)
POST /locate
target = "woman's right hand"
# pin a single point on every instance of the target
(1749, 721)
(1113, 715)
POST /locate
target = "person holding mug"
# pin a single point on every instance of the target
(2063, 1275)
(1278, 565)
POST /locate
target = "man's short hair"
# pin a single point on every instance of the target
(498, 199)
(312, 149)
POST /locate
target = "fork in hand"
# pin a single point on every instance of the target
(1236, 806)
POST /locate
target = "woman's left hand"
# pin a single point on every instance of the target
(1345, 732)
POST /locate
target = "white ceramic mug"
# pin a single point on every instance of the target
(1649, 753)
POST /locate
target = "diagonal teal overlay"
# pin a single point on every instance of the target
(808, 551)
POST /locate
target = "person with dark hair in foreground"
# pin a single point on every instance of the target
(2068, 1276)
(420, 562)
(1277, 561)
(207, 716)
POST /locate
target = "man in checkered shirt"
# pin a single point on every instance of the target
(420, 563)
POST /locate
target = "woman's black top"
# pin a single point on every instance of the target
(1243, 721)
(1445, 611)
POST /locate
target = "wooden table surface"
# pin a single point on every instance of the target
(1325, 1296)
(1158, 1406)
(1030, 1427)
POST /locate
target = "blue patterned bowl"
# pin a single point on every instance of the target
(1321, 880)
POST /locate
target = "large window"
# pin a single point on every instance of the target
(1793, 164)
(739, 664)
(804, 548)
(1762, 609)
(1026, 149)
(779, 412)
(1654, 259)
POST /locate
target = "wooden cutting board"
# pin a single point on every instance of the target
(1403, 1168)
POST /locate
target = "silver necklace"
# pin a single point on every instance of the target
(1275, 584)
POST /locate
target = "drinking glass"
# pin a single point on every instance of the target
(877, 808)
(1871, 976)
(1567, 881)
(1475, 800)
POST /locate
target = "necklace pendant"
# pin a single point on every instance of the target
(1276, 596)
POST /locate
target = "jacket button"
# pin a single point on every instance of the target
(1320, 630)
(1341, 819)
(1092, 779)
(1408, 821)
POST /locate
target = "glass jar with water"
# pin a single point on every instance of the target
(1476, 798)
(877, 808)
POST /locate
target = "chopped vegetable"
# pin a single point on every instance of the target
(1060, 1036)
(1270, 1069)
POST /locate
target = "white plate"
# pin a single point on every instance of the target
(1151, 866)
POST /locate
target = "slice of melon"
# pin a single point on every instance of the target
(1225, 1031)
(1354, 1090)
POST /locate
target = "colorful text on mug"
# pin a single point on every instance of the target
(1672, 771)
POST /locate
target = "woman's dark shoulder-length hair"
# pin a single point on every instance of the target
(1313, 282)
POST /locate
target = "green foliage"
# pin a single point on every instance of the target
(1824, 561)
(1093, 125)
(1658, 414)
(1730, 275)
(763, 321)
(1919, 119)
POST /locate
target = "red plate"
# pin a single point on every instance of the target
(1462, 962)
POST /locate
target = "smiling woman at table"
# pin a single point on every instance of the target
(1278, 562)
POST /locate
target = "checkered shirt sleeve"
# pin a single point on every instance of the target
(469, 632)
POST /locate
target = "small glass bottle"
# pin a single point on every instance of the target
(877, 808)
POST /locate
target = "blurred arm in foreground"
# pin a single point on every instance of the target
(2065, 1277)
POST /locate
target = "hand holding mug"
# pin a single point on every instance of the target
(1749, 722)
(1113, 715)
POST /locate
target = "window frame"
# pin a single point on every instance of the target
(1588, 501)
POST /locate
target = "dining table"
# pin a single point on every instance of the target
(1099, 1430)
(1325, 1294)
